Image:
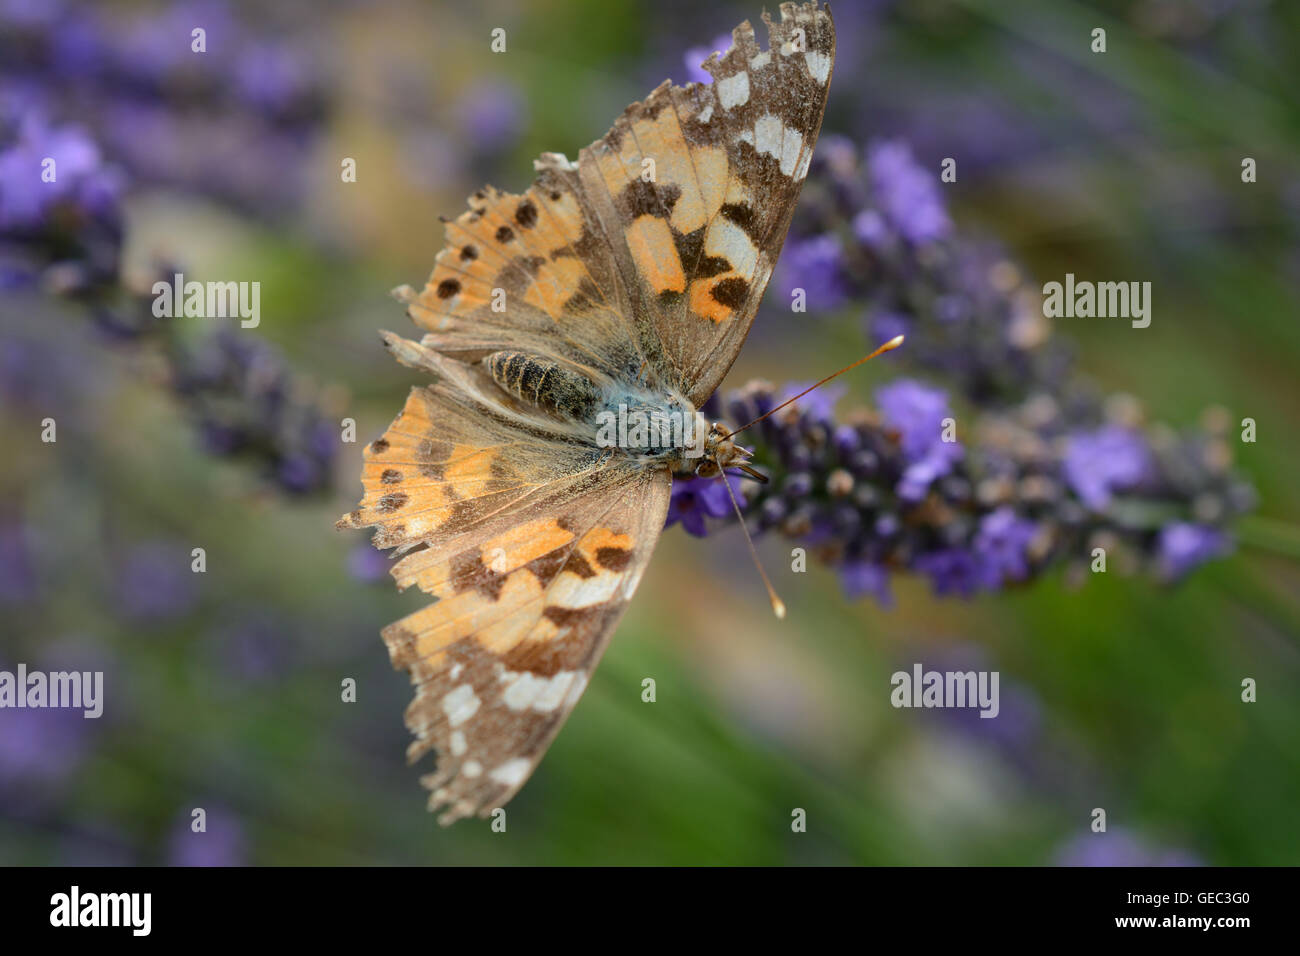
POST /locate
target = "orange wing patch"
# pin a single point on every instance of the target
(651, 243)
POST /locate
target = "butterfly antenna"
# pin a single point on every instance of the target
(778, 606)
(889, 346)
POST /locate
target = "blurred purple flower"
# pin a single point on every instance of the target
(860, 578)
(1118, 847)
(273, 76)
(17, 565)
(889, 324)
(814, 264)
(154, 582)
(80, 177)
(1016, 729)
(41, 746)
(1000, 546)
(223, 843)
(951, 571)
(1101, 462)
(492, 116)
(698, 54)
(369, 564)
(1184, 546)
(907, 193)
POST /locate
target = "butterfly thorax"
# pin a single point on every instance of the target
(655, 425)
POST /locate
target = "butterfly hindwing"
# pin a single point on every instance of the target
(500, 660)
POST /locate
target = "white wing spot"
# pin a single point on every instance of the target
(512, 772)
(458, 744)
(734, 90)
(777, 140)
(554, 692)
(728, 241)
(802, 169)
(460, 705)
(767, 134)
(472, 768)
(542, 694)
(760, 61)
(791, 145)
(819, 65)
(706, 114)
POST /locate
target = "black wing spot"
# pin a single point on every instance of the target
(526, 214)
(640, 198)
(731, 292)
(742, 215)
(447, 288)
(505, 234)
(468, 254)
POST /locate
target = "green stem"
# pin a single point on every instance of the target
(1269, 534)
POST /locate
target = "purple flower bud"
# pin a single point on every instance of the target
(1000, 546)
(1183, 546)
(693, 499)
(1099, 463)
(917, 412)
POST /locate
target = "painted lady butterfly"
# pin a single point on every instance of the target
(601, 287)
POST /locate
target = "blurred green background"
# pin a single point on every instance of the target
(223, 688)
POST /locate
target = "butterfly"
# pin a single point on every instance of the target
(617, 286)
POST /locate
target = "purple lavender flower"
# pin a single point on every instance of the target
(951, 571)
(917, 412)
(1099, 463)
(695, 499)
(873, 495)
(813, 264)
(223, 842)
(81, 179)
(860, 578)
(1000, 546)
(1183, 546)
(907, 193)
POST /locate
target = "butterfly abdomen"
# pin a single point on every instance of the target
(544, 383)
